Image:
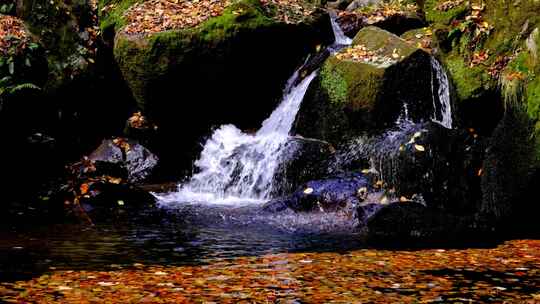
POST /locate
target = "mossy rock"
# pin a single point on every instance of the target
(351, 97)
(228, 69)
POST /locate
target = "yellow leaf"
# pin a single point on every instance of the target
(420, 148)
(308, 191)
(84, 188)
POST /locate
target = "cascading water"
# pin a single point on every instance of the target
(441, 101)
(339, 36)
(238, 167)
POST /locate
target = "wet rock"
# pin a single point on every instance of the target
(130, 155)
(424, 160)
(113, 200)
(441, 165)
(339, 193)
(99, 190)
(304, 159)
(351, 95)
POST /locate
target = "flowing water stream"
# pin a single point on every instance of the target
(442, 107)
(236, 167)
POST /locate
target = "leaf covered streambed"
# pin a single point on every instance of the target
(509, 272)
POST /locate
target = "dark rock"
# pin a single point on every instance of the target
(115, 200)
(405, 222)
(304, 159)
(340, 193)
(136, 159)
(508, 167)
(422, 160)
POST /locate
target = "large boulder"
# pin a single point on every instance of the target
(366, 87)
(440, 165)
(421, 161)
(230, 59)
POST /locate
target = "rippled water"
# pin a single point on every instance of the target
(187, 234)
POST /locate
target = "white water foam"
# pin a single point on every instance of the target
(237, 168)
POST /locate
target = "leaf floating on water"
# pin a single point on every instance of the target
(63, 288)
(417, 134)
(84, 188)
(160, 273)
(419, 148)
(387, 276)
(120, 203)
(308, 191)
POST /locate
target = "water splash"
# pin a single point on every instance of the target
(235, 166)
(442, 108)
(239, 168)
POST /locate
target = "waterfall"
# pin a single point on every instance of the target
(442, 109)
(238, 167)
(339, 36)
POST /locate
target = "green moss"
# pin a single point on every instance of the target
(382, 41)
(533, 111)
(144, 58)
(443, 17)
(470, 83)
(334, 85)
(364, 84)
(245, 15)
(533, 99)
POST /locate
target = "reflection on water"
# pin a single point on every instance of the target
(189, 234)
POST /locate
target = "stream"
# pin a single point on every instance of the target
(211, 230)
